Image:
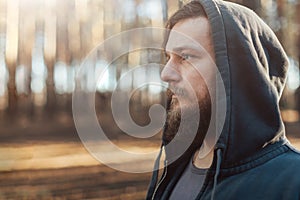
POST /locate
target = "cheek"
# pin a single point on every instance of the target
(194, 81)
(197, 86)
(203, 77)
(198, 80)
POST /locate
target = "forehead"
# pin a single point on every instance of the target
(192, 32)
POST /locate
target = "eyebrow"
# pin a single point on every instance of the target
(185, 47)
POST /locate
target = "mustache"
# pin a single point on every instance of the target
(176, 91)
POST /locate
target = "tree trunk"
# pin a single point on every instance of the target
(12, 30)
(12, 92)
(252, 4)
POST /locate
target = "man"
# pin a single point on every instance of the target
(297, 101)
(251, 158)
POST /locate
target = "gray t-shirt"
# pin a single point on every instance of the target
(189, 184)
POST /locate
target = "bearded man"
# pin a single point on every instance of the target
(251, 157)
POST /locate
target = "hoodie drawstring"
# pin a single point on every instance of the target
(154, 174)
(219, 160)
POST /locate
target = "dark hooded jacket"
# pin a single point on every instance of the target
(252, 157)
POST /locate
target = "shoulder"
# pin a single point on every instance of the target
(292, 154)
(275, 178)
(281, 167)
(286, 164)
(291, 157)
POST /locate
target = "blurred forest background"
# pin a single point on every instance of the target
(42, 44)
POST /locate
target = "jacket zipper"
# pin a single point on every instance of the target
(161, 180)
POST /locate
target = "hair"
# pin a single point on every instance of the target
(191, 10)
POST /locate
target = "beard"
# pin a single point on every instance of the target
(186, 131)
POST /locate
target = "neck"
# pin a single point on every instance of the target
(203, 162)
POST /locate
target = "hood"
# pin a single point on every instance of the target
(253, 66)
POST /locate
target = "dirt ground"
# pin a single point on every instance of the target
(41, 160)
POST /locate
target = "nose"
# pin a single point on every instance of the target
(170, 73)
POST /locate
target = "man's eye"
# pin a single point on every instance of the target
(185, 56)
